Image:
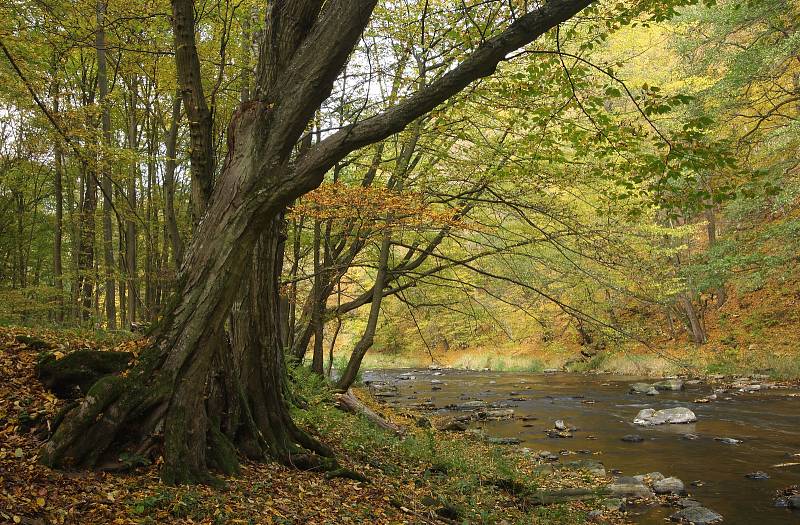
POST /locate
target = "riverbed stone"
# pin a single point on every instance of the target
(728, 441)
(469, 405)
(640, 388)
(673, 385)
(497, 413)
(503, 441)
(686, 503)
(649, 416)
(697, 516)
(651, 476)
(757, 475)
(668, 486)
(614, 504)
(632, 438)
(630, 490)
(591, 465)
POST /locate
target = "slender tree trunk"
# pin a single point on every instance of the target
(130, 223)
(74, 213)
(150, 224)
(123, 271)
(360, 350)
(86, 257)
(170, 217)
(711, 228)
(58, 195)
(108, 239)
(695, 325)
(316, 316)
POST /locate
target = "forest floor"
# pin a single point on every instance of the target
(424, 476)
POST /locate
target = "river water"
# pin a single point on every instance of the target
(767, 422)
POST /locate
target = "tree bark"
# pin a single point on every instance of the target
(87, 235)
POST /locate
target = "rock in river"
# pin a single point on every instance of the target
(632, 438)
(668, 486)
(696, 515)
(649, 416)
(728, 441)
(625, 487)
(591, 465)
(503, 441)
(669, 384)
(757, 475)
(640, 388)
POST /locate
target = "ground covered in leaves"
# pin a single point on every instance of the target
(424, 476)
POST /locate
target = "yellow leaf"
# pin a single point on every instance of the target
(17, 519)
(40, 501)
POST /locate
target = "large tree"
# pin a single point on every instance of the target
(209, 399)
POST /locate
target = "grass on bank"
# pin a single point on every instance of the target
(424, 476)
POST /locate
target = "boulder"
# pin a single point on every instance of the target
(697, 516)
(74, 374)
(686, 503)
(649, 416)
(34, 343)
(668, 486)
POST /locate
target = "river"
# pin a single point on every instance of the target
(767, 422)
